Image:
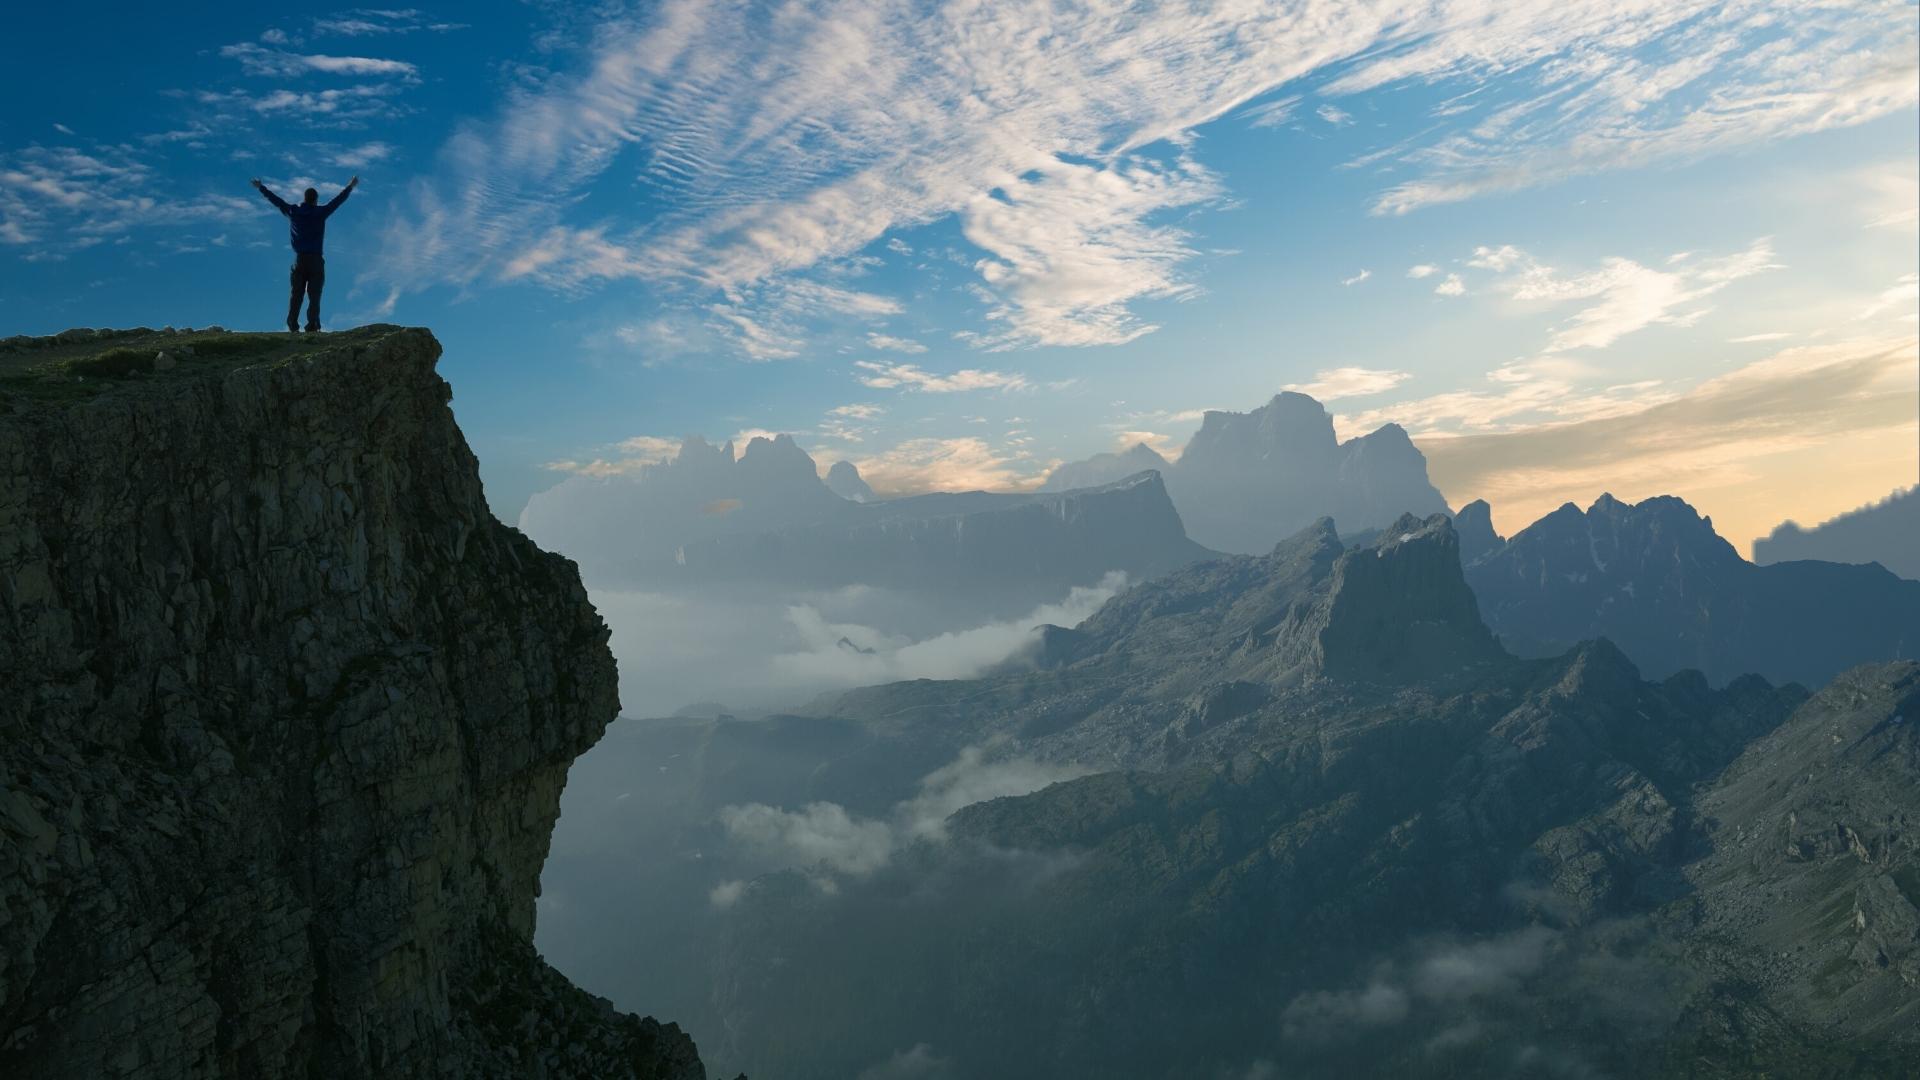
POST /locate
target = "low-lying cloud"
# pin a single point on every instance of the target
(849, 654)
(824, 837)
(750, 650)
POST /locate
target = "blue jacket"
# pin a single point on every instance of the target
(307, 223)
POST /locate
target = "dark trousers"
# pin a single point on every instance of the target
(309, 275)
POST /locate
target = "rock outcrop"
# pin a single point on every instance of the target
(285, 715)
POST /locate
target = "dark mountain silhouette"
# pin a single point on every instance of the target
(1655, 579)
(1246, 480)
(1886, 532)
(1474, 523)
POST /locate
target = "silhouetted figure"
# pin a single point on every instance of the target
(307, 228)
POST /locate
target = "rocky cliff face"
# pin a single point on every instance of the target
(284, 719)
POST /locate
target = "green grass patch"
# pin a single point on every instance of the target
(81, 370)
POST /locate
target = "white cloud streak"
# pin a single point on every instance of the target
(278, 63)
(889, 376)
(956, 464)
(1343, 382)
(781, 139)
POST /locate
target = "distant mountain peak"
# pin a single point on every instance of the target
(1474, 524)
(844, 480)
(1245, 480)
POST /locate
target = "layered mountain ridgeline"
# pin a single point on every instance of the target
(285, 715)
(974, 540)
(1886, 532)
(1313, 821)
(1654, 578)
(1246, 480)
(766, 520)
(630, 527)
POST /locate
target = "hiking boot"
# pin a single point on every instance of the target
(313, 328)
(293, 327)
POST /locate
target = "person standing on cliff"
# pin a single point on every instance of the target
(307, 228)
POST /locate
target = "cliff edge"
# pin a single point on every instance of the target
(285, 715)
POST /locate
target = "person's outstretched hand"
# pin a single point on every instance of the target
(355, 182)
(255, 181)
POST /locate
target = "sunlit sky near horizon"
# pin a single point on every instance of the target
(1640, 247)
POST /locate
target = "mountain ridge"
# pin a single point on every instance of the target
(1655, 577)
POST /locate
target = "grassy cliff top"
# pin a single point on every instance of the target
(80, 365)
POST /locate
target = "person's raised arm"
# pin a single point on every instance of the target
(276, 200)
(334, 203)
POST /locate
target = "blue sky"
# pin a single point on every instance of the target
(1573, 247)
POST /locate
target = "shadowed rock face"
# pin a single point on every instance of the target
(1474, 523)
(285, 715)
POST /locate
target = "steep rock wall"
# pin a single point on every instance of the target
(284, 719)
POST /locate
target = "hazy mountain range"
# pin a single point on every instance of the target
(1295, 814)
(1247, 480)
(768, 520)
(1653, 578)
(1886, 532)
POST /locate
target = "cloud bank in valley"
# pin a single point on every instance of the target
(825, 838)
(758, 651)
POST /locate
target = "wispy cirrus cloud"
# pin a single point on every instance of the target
(959, 464)
(622, 458)
(779, 139)
(380, 22)
(1618, 298)
(1817, 429)
(1344, 382)
(278, 63)
(1626, 295)
(889, 343)
(886, 376)
(63, 198)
